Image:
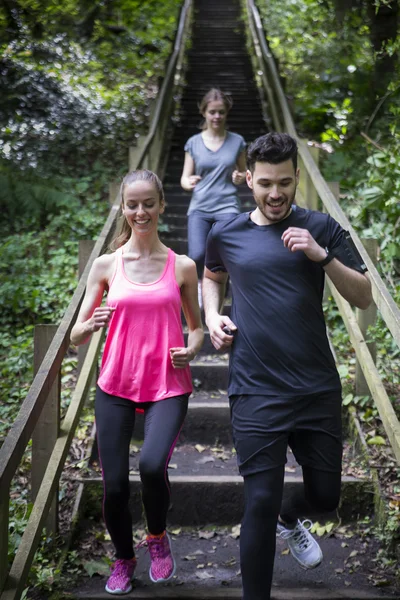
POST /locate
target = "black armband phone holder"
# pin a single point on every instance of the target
(348, 254)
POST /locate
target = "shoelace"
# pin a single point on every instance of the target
(299, 533)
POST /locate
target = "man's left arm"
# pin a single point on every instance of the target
(354, 286)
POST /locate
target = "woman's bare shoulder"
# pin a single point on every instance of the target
(103, 266)
(184, 262)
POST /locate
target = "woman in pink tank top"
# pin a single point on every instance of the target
(145, 366)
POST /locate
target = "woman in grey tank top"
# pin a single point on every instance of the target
(215, 164)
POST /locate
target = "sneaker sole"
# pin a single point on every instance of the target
(118, 592)
(307, 567)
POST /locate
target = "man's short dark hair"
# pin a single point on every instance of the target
(272, 148)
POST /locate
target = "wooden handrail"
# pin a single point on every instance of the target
(383, 300)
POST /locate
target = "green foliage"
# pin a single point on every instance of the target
(79, 79)
(326, 69)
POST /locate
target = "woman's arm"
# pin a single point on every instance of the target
(187, 279)
(189, 179)
(239, 174)
(92, 316)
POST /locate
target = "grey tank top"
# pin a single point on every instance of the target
(215, 192)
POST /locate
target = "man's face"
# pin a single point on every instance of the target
(274, 189)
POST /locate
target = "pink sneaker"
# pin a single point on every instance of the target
(162, 562)
(121, 576)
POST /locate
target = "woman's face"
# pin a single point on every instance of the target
(215, 115)
(142, 206)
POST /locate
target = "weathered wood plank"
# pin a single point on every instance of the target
(45, 433)
(16, 441)
(386, 411)
(365, 319)
(20, 568)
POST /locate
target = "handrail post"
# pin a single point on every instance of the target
(4, 520)
(113, 191)
(365, 319)
(85, 250)
(46, 431)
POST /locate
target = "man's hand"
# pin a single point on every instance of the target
(220, 340)
(295, 238)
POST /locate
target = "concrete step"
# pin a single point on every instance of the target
(208, 568)
(198, 500)
(230, 593)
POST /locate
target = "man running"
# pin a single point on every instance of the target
(284, 389)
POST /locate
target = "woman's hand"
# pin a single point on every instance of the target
(101, 317)
(180, 357)
(238, 177)
(193, 180)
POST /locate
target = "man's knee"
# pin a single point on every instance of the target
(324, 497)
(262, 504)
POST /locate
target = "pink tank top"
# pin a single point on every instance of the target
(146, 323)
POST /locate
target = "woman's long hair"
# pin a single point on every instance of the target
(123, 231)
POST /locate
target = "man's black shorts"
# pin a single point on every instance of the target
(264, 426)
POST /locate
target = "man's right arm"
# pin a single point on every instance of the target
(214, 285)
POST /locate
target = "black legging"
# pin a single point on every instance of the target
(263, 495)
(115, 419)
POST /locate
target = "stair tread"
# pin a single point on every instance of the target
(209, 568)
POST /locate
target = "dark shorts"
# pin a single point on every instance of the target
(264, 426)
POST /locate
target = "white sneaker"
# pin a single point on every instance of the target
(303, 547)
(199, 295)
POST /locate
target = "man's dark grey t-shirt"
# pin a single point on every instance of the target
(281, 346)
(215, 192)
